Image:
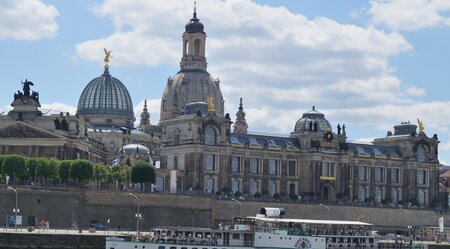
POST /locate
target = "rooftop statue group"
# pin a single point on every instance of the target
(26, 92)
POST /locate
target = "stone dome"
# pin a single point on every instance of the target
(135, 149)
(105, 95)
(194, 25)
(309, 118)
(188, 87)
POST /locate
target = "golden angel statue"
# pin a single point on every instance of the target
(421, 126)
(107, 55)
(210, 99)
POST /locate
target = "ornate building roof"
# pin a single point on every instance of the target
(313, 121)
(105, 95)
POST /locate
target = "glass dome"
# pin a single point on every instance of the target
(105, 95)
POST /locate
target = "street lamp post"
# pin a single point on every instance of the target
(15, 209)
(240, 205)
(138, 216)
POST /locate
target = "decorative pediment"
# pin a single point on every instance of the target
(21, 130)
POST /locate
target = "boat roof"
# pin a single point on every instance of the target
(329, 222)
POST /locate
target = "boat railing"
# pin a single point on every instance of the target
(299, 232)
(184, 240)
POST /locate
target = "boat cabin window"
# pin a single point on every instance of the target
(161, 247)
(236, 236)
(173, 247)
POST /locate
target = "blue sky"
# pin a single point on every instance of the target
(368, 64)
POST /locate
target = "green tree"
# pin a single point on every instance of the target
(31, 164)
(143, 172)
(64, 170)
(100, 173)
(53, 169)
(46, 168)
(81, 170)
(2, 157)
(14, 166)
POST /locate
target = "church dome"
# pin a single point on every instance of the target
(194, 25)
(306, 123)
(188, 87)
(105, 95)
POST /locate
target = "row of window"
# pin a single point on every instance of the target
(254, 187)
(380, 175)
(255, 167)
(394, 195)
(328, 169)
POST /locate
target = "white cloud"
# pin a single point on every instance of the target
(416, 91)
(27, 20)
(57, 107)
(410, 14)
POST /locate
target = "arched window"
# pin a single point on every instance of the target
(197, 44)
(210, 136)
(185, 47)
(421, 154)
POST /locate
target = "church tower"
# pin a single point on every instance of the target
(193, 83)
(240, 125)
(145, 117)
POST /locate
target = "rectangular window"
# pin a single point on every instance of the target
(210, 185)
(292, 188)
(254, 165)
(210, 162)
(422, 176)
(362, 173)
(273, 167)
(292, 169)
(253, 187)
(379, 174)
(325, 169)
(235, 185)
(272, 188)
(395, 175)
(159, 183)
(235, 164)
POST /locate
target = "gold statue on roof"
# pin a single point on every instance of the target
(210, 102)
(107, 56)
(421, 126)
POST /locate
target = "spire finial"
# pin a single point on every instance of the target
(195, 9)
(314, 108)
(240, 105)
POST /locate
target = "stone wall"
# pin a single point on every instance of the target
(50, 241)
(62, 207)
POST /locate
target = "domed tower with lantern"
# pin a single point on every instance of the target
(192, 113)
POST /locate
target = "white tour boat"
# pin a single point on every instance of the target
(265, 230)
